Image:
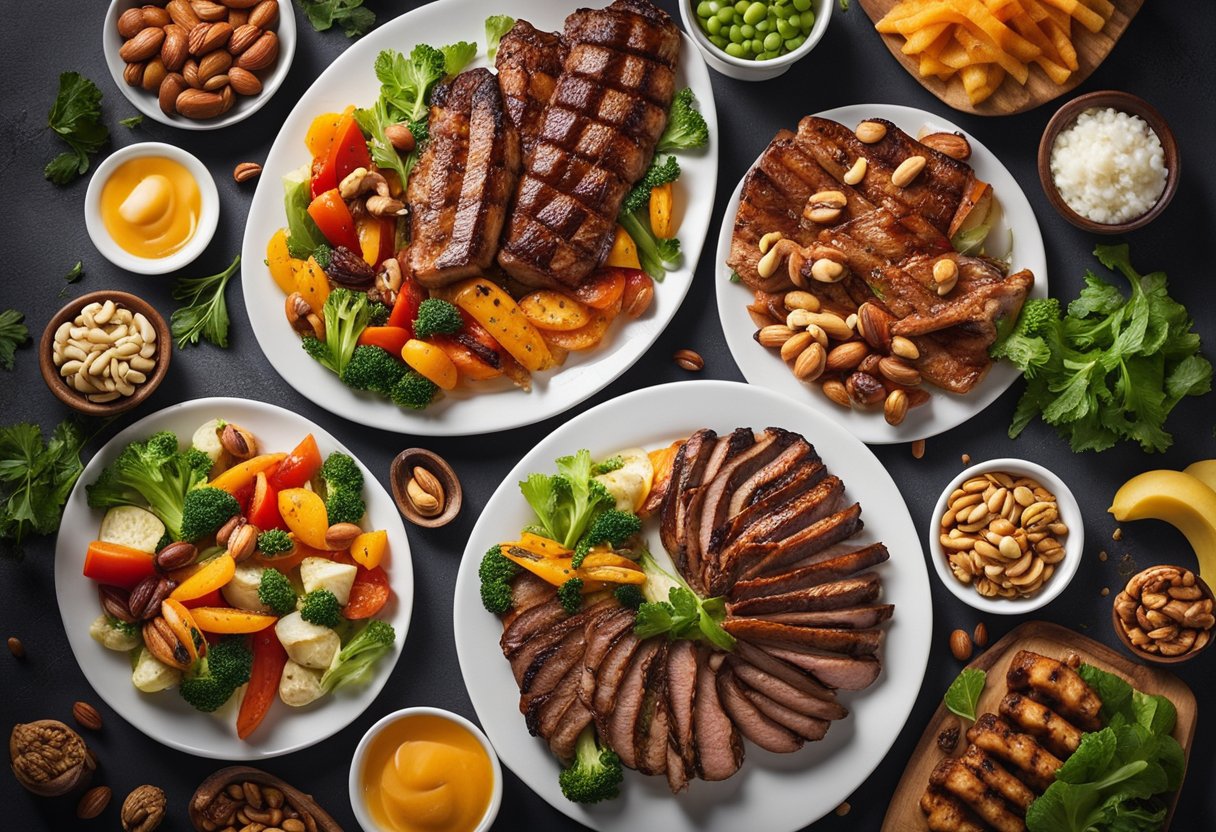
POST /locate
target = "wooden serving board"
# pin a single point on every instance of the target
(904, 814)
(1011, 97)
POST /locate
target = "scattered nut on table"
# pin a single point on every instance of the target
(143, 810)
(1164, 610)
(106, 352)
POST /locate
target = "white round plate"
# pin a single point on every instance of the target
(943, 410)
(772, 792)
(165, 716)
(483, 407)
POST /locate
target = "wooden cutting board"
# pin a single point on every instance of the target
(903, 813)
(1011, 97)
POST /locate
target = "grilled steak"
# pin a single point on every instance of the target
(803, 726)
(608, 108)
(681, 686)
(760, 729)
(628, 704)
(820, 706)
(841, 594)
(829, 639)
(719, 749)
(824, 571)
(833, 669)
(791, 552)
(686, 471)
(529, 62)
(852, 617)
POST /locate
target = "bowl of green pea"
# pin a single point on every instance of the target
(754, 40)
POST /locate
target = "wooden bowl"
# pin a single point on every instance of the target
(69, 395)
(220, 780)
(1127, 103)
(1156, 658)
(403, 469)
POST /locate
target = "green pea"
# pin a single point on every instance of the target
(786, 28)
(742, 5)
(735, 50)
(726, 14)
(783, 11)
(766, 56)
(772, 42)
(735, 33)
(714, 6)
(748, 30)
(794, 43)
(713, 25)
(718, 41)
(756, 12)
(704, 9)
(802, 5)
(764, 26)
(806, 21)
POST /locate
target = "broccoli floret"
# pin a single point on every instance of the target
(656, 255)
(317, 350)
(276, 592)
(372, 368)
(343, 489)
(607, 466)
(320, 607)
(341, 471)
(344, 507)
(127, 628)
(354, 661)
(165, 540)
(628, 595)
(346, 314)
(205, 510)
(686, 128)
(570, 594)
(595, 774)
(414, 390)
(154, 474)
(437, 316)
(274, 542)
(612, 527)
(496, 573)
(217, 674)
(379, 313)
(323, 254)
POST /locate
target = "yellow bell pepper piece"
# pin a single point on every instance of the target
(660, 212)
(624, 252)
(368, 548)
(616, 561)
(497, 311)
(612, 574)
(368, 230)
(432, 362)
(242, 473)
(215, 574)
(313, 285)
(278, 259)
(542, 545)
(555, 571)
(304, 513)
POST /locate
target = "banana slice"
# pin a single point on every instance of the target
(630, 484)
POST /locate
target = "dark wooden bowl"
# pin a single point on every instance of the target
(1127, 103)
(220, 780)
(401, 471)
(1156, 658)
(69, 395)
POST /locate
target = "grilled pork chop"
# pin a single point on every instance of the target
(595, 139)
(529, 62)
(459, 191)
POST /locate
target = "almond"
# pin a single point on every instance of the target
(197, 104)
(154, 73)
(960, 645)
(243, 81)
(689, 360)
(131, 22)
(182, 14)
(175, 49)
(155, 16)
(246, 171)
(227, 98)
(264, 15)
(238, 17)
(170, 88)
(261, 54)
(846, 356)
(899, 372)
(208, 11)
(87, 715)
(93, 803)
(213, 64)
(207, 37)
(240, 4)
(143, 46)
(243, 37)
(133, 74)
(954, 145)
(190, 73)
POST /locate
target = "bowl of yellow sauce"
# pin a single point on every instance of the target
(425, 770)
(151, 208)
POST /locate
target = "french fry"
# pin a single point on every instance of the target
(982, 50)
(1063, 44)
(1083, 14)
(1103, 7)
(919, 41)
(1008, 40)
(1055, 71)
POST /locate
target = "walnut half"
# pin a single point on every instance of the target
(143, 810)
(48, 757)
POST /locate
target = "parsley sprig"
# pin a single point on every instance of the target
(13, 333)
(206, 312)
(351, 15)
(76, 118)
(35, 479)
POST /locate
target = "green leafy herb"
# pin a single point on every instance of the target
(497, 25)
(607, 466)
(964, 693)
(35, 479)
(673, 609)
(1117, 778)
(354, 19)
(1111, 368)
(567, 502)
(303, 236)
(206, 312)
(75, 273)
(76, 117)
(13, 333)
(131, 122)
(734, 277)
(456, 56)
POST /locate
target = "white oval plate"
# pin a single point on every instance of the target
(165, 716)
(772, 792)
(485, 406)
(943, 410)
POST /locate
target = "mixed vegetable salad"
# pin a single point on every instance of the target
(341, 259)
(227, 572)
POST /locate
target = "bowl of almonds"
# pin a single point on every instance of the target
(425, 488)
(1165, 615)
(1006, 536)
(199, 64)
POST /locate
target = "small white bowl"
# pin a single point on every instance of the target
(245, 105)
(209, 213)
(1074, 541)
(748, 70)
(355, 782)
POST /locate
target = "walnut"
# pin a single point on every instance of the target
(48, 757)
(143, 810)
(349, 269)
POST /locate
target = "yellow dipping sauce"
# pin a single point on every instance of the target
(425, 773)
(150, 206)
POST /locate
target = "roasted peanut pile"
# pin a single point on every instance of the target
(106, 352)
(1003, 535)
(1164, 610)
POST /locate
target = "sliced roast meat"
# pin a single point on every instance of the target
(686, 471)
(543, 641)
(601, 636)
(681, 689)
(831, 568)
(628, 707)
(791, 675)
(791, 552)
(794, 515)
(650, 737)
(751, 722)
(528, 62)
(805, 476)
(849, 592)
(608, 678)
(531, 622)
(726, 449)
(527, 591)
(870, 615)
(550, 666)
(544, 711)
(677, 770)
(459, 191)
(833, 669)
(565, 736)
(795, 452)
(719, 749)
(823, 706)
(803, 726)
(829, 639)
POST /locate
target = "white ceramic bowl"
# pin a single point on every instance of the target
(355, 783)
(245, 106)
(209, 213)
(1074, 542)
(749, 70)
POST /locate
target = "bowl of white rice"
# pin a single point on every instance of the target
(1108, 162)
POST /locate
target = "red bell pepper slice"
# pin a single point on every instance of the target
(117, 565)
(269, 659)
(333, 219)
(368, 594)
(388, 338)
(299, 467)
(409, 298)
(264, 507)
(347, 151)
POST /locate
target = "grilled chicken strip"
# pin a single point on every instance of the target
(1057, 686)
(529, 63)
(1055, 733)
(1032, 762)
(608, 109)
(945, 813)
(998, 778)
(458, 193)
(953, 777)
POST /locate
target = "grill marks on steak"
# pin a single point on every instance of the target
(528, 62)
(604, 115)
(459, 192)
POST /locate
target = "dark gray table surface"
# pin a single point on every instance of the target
(1166, 57)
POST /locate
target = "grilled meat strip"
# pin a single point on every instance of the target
(832, 669)
(686, 471)
(945, 813)
(801, 547)
(608, 109)
(951, 776)
(802, 725)
(459, 191)
(1057, 686)
(529, 63)
(820, 706)
(832, 640)
(827, 570)
(719, 751)
(997, 777)
(1035, 764)
(650, 733)
(1041, 722)
(855, 617)
(752, 723)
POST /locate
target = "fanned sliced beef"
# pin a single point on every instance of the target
(833, 669)
(719, 749)
(686, 471)
(459, 191)
(650, 736)
(793, 551)
(820, 706)
(841, 594)
(628, 703)
(800, 724)
(681, 689)
(832, 640)
(600, 639)
(529, 63)
(830, 568)
(752, 723)
(870, 615)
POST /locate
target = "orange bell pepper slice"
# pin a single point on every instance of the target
(243, 473)
(229, 620)
(388, 338)
(369, 548)
(304, 513)
(299, 467)
(329, 212)
(117, 565)
(215, 573)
